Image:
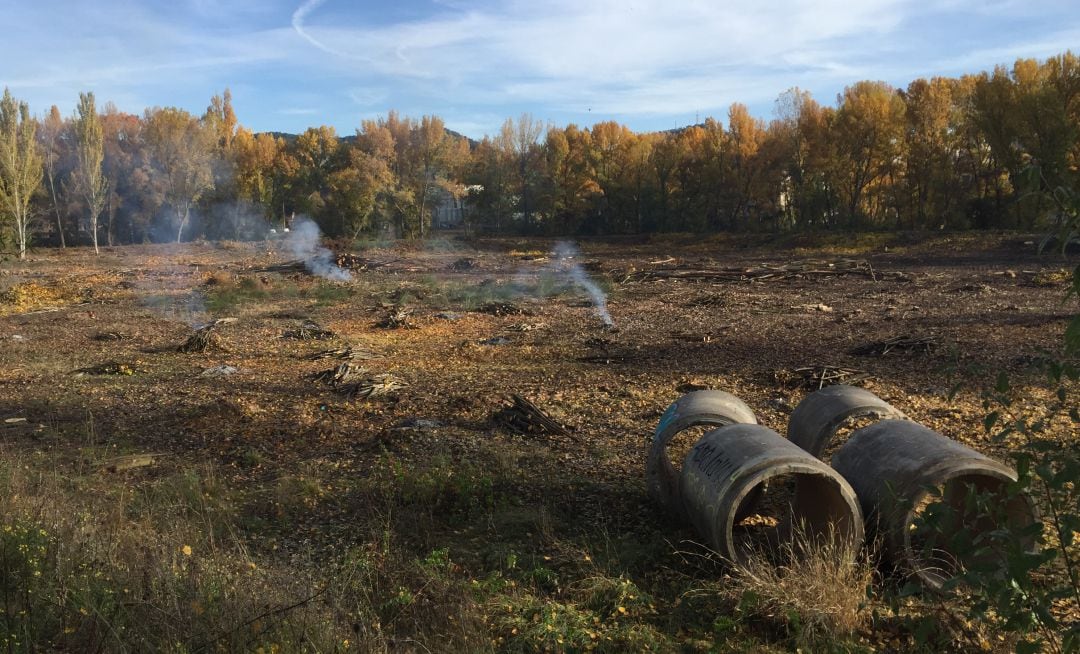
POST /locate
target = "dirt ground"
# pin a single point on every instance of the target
(88, 357)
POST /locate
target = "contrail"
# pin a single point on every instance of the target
(298, 18)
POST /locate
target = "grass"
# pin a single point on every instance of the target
(812, 592)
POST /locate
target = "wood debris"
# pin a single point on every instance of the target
(309, 331)
(110, 368)
(397, 319)
(526, 326)
(347, 353)
(204, 338)
(130, 462)
(464, 264)
(764, 272)
(819, 376)
(109, 336)
(373, 387)
(523, 417)
(503, 309)
(923, 344)
(338, 375)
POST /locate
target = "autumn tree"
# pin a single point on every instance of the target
(181, 148)
(51, 134)
(88, 179)
(20, 166)
(867, 134)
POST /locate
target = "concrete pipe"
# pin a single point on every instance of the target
(894, 465)
(700, 408)
(730, 465)
(818, 417)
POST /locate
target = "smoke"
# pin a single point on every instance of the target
(565, 254)
(303, 242)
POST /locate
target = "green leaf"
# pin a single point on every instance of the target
(1072, 336)
(990, 420)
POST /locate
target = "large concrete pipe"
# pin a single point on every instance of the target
(699, 408)
(894, 465)
(818, 417)
(730, 465)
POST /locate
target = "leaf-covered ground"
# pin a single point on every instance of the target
(544, 541)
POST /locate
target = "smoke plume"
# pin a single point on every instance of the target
(303, 242)
(565, 261)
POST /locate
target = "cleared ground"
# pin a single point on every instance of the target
(308, 475)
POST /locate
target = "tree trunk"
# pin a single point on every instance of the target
(56, 208)
(183, 221)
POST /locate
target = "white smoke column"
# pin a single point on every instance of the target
(303, 242)
(565, 255)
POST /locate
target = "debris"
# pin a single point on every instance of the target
(417, 424)
(819, 376)
(397, 319)
(129, 462)
(923, 344)
(495, 340)
(109, 336)
(347, 353)
(451, 316)
(526, 326)
(823, 308)
(524, 417)
(504, 309)
(219, 371)
(374, 387)
(110, 368)
(464, 264)
(13, 421)
(202, 340)
(338, 375)
(764, 272)
(309, 331)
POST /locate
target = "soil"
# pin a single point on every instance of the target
(985, 301)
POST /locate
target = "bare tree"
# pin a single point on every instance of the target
(20, 165)
(90, 181)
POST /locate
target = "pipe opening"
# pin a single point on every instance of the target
(951, 528)
(793, 514)
(846, 428)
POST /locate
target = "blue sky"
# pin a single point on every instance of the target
(651, 64)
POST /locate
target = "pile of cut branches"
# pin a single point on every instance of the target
(205, 338)
(503, 309)
(397, 319)
(764, 272)
(523, 417)
(375, 386)
(920, 344)
(818, 377)
(338, 375)
(309, 331)
(347, 353)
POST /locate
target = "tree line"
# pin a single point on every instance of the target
(952, 153)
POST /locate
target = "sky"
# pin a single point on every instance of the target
(649, 64)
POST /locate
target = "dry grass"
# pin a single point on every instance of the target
(812, 589)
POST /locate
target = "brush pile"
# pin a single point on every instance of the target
(818, 377)
(397, 319)
(503, 309)
(376, 386)
(205, 338)
(347, 353)
(919, 344)
(309, 331)
(523, 417)
(338, 375)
